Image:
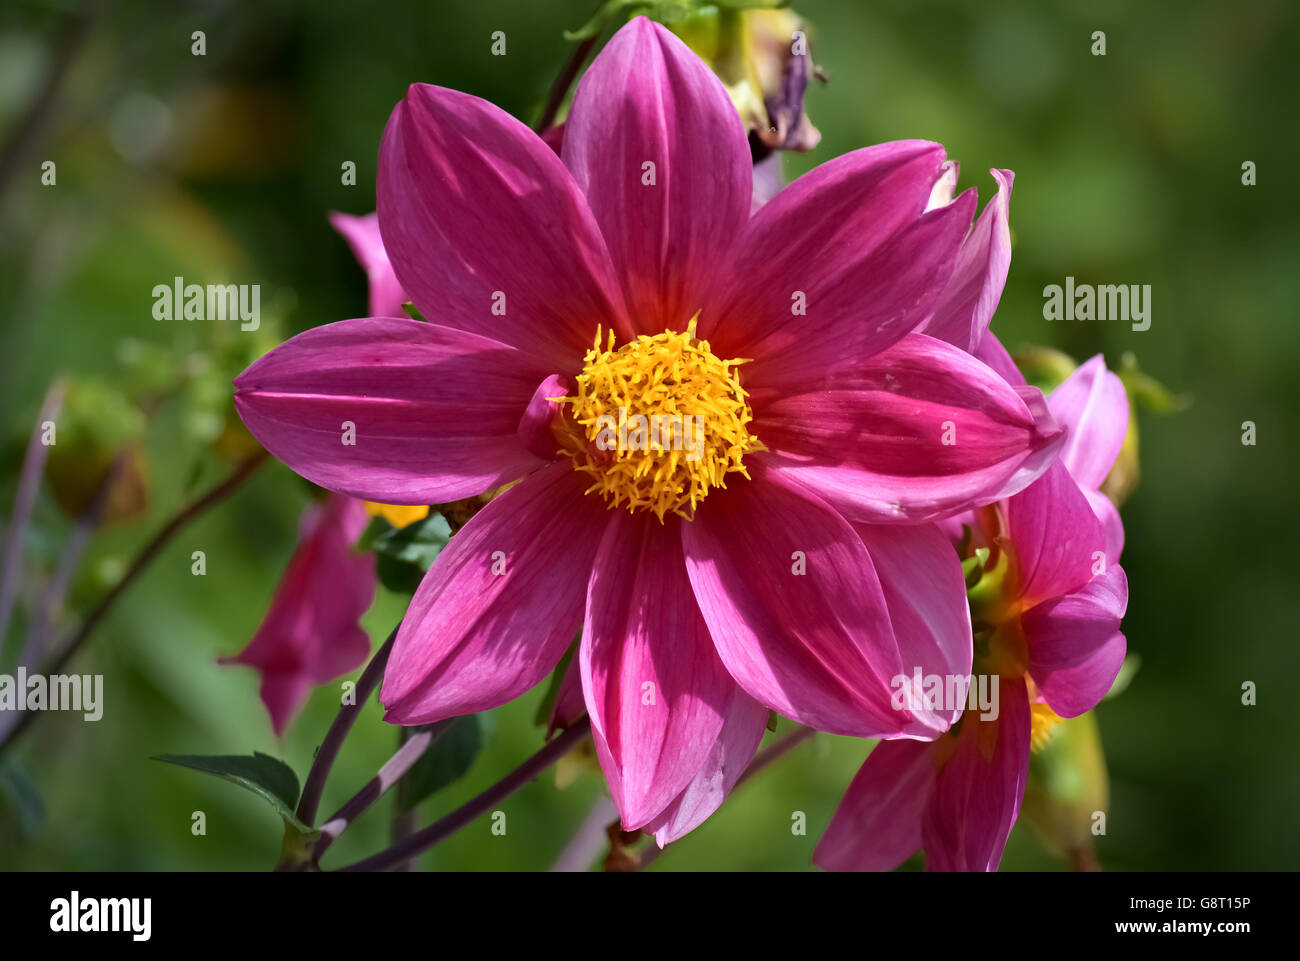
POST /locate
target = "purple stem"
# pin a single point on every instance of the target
(328, 751)
(396, 766)
(29, 482)
(422, 840)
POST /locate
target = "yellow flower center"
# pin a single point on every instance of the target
(663, 419)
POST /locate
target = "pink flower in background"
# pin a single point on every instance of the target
(311, 633)
(362, 235)
(1047, 621)
(779, 569)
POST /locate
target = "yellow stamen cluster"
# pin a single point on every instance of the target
(1042, 724)
(672, 380)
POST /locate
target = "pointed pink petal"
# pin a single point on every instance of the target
(488, 232)
(921, 576)
(655, 689)
(1108, 514)
(362, 235)
(311, 633)
(501, 603)
(1075, 646)
(435, 412)
(919, 431)
(1057, 538)
(877, 825)
(991, 352)
(647, 99)
(978, 790)
(1092, 403)
(837, 266)
(729, 756)
(815, 646)
(968, 302)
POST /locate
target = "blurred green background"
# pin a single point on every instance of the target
(221, 168)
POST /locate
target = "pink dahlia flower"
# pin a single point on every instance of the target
(311, 633)
(1046, 618)
(764, 566)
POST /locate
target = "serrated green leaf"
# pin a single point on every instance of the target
(267, 777)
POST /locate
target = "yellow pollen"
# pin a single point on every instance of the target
(1042, 724)
(663, 421)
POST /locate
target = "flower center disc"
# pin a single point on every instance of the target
(664, 420)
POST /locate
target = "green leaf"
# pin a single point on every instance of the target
(19, 792)
(446, 761)
(417, 543)
(405, 554)
(398, 576)
(376, 529)
(267, 777)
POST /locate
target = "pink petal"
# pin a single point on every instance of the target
(656, 691)
(648, 99)
(501, 603)
(991, 351)
(921, 576)
(837, 266)
(1075, 646)
(362, 235)
(978, 790)
(311, 633)
(1093, 404)
(729, 756)
(1057, 538)
(435, 411)
(877, 825)
(1108, 514)
(478, 213)
(817, 646)
(918, 431)
(534, 430)
(769, 180)
(968, 302)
